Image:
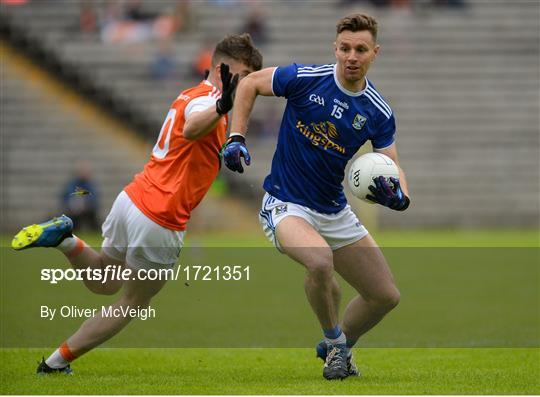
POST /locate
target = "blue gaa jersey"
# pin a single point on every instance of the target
(323, 126)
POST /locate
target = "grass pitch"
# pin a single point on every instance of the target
(278, 371)
(457, 310)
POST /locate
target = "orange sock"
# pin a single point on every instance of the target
(75, 249)
(66, 353)
(61, 357)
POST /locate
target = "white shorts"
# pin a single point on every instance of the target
(338, 230)
(132, 237)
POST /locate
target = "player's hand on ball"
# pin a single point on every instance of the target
(391, 197)
(233, 151)
(229, 83)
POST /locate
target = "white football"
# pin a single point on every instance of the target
(367, 167)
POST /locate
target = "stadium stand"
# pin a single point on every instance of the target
(45, 133)
(464, 84)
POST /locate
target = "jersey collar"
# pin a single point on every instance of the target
(209, 84)
(346, 91)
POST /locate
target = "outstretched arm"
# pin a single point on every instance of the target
(258, 83)
(254, 84)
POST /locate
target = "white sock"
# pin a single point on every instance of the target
(340, 340)
(56, 360)
(68, 244)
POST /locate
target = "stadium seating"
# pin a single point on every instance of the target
(463, 84)
(43, 141)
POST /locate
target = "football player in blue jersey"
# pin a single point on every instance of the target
(332, 110)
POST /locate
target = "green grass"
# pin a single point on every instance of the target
(387, 238)
(278, 371)
(468, 323)
(399, 238)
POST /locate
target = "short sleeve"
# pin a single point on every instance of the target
(385, 134)
(284, 80)
(199, 104)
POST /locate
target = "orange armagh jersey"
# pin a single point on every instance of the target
(180, 171)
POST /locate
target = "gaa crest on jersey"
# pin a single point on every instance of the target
(359, 122)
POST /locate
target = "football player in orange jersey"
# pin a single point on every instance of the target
(146, 225)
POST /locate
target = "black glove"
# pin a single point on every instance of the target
(229, 83)
(391, 197)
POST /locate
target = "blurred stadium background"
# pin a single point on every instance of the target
(86, 85)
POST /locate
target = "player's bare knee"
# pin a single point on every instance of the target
(384, 301)
(320, 269)
(104, 289)
(388, 300)
(134, 300)
(138, 297)
(111, 289)
(392, 299)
